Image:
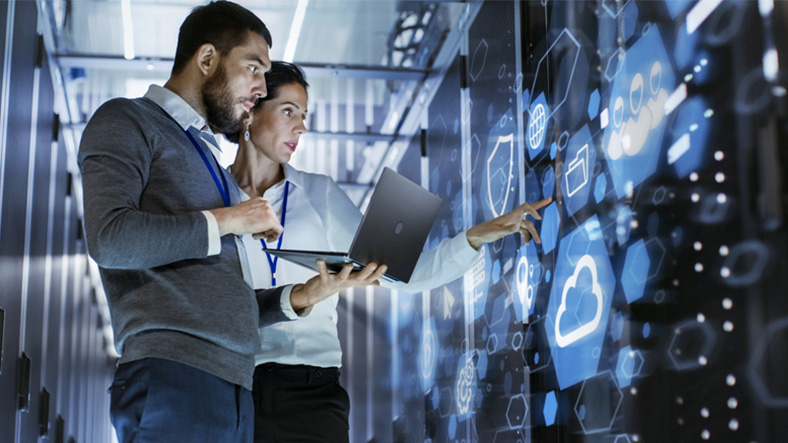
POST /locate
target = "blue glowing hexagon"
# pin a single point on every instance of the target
(517, 411)
(583, 262)
(465, 386)
(765, 381)
(598, 394)
(527, 275)
(690, 343)
(617, 326)
(600, 188)
(532, 190)
(428, 355)
(646, 330)
(563, 52)
(676, 6)
(550, 223)
(623, 224)
(552, 151)
(538, 116)
(635, 273)
(630, 362)
(691, 132)
(478, 60)
(578, 167)
(629, 21)
(593, 104)
(499, 168)
(633, 138)
(452, 426)
(550, 408)
(548, 182)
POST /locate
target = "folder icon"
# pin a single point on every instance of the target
(576, 175)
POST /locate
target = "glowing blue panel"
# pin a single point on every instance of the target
(690, 136)
(583, 286)
(675, 7)
(550, 222)
(633, 138)
(600, 188)
(635, 273)
(550, 408)
(499, 174)
(548, 182)
(537, 126)
(527, 275)
(593, 104)
(578, 167)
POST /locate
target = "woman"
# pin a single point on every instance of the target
(296, 391)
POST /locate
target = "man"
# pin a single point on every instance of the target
(159, 212)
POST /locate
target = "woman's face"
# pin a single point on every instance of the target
(279, 123)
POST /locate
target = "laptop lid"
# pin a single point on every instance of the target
(393, 230)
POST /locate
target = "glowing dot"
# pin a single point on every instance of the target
(696, 68)
(633, 391)
(727, 326)
(636, 438)
(727, 303)
(725, 272)
(698, 267)
(733, 425)
(676, 282)
(708, 113)
(680, 421)
(695, 197)
(705, 434)
(724, 251)
(697, 245)
(719, 155)
(701, 318)
(693, 127)
(721, 198)
(704, 412)
(680, 400)
(703, 360)
(688, 77)
(693, 176)
(733, 403)
(779, 91)
(720, 177)
(704, 62)
(730, 380)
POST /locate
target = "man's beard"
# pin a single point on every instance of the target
(219, 103)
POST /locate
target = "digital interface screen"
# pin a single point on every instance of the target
(655, 307)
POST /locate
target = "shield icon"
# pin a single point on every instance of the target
(499, 181)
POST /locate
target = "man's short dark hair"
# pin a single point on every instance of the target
(221, 23)
(280, 74)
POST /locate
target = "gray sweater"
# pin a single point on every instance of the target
(144, 187)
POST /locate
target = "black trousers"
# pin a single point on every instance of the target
(297, 403)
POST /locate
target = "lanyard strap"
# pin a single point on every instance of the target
(272, 261)
(224, 190)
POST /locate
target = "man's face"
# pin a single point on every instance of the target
(236, 84)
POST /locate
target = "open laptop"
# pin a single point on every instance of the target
(392, 232)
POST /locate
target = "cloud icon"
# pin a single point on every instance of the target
(564, 340)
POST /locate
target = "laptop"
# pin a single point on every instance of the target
(392, 232)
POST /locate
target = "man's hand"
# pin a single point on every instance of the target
(255, 216)
(320, 287)
(508, 223)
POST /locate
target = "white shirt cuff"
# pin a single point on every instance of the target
(287, 307)
(214, 239)
(461, 250)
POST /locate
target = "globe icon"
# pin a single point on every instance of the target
(536, 126)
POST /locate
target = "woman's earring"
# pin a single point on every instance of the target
(246, 134)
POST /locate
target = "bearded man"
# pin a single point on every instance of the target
(162, 221)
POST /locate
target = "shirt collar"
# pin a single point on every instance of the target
(294, 176)
(176, 106)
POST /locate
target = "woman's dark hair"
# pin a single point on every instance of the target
(280, 74)
(221, 23)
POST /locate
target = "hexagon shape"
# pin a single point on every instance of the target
(536, 349)
(756, 372)
(550, 408)
(655, 250)
(630, 363)
(689, 342)
(596, 394)
(635, 273)
(600, 188)
(517, 411)
(617, 326)
(614, 64)
(565, 44)
(478, 60)
(659, 195)
(548, 182)
(492, 344)
(593, 104)
(445, 401)
(517, 340)
(550, 224)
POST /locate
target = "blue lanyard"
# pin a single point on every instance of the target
(273, 260)
(224, 190)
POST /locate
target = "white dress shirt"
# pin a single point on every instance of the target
(321, 217)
